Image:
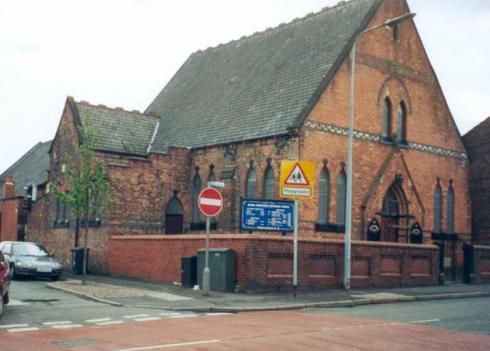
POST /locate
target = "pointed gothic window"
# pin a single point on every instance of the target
(386, 118)
(402, 124)
(251, 186)
(341, 197)
(323, 197)
(450, 209)
(212, 176)
(437, 208)
(269, 183)
(196, 190)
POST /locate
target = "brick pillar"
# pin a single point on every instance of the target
(9, 188)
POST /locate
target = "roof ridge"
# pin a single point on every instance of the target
(116, 108)
(279, 26)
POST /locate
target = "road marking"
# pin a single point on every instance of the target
(146, 319)
(136, 316)
(17, 303)
(184, 315)
(110, 323)
(22, 330)
(165, 346)
(57, 323)
(67, 326)
(8, 326)
(98, 320)
(425, 321)
(217, 314)
(167, 314)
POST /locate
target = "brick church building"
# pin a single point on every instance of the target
(234, 112)
(477, 142)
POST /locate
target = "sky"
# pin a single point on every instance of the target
(123, 52)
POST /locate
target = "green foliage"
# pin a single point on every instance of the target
(85, 187)
(240, 289)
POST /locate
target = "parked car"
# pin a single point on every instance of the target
(30, 259)
(4, 282)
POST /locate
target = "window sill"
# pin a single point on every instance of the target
(329, 227)
(386, 140)
(92, 223)
(202, 226)
(61, 224)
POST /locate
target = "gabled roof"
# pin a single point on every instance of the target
(32, 168)
(258, 86)
(477, 141)
(119, 131)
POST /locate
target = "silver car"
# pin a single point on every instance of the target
(30, 259)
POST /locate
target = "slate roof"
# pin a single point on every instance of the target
(477, 142)
(120, 131)
(258, 86)
(31, 168)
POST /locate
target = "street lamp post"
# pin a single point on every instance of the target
(348, 215)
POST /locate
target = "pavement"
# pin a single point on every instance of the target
(127, 292)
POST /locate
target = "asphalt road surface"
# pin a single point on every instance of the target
(43, 319)
(466, 315)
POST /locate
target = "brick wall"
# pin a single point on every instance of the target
(482, 264)
(61, 241)
(264, 263)
(10, 210)
(477, 142)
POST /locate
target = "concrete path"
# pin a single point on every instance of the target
(125, 292)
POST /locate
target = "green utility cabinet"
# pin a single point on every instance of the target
(222, 264)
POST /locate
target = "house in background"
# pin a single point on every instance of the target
(477, 142)
(234, 112)
(20, 185)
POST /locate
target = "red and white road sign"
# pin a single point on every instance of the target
(210, 202)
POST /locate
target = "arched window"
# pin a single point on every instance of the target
(402, 124)
(269, 183)
(251, 187)
(212, 176)
(437, 208)
(174, 217)
(450, 209)
(341, 197)
(323, 197)
(196, 190)
(387, 117)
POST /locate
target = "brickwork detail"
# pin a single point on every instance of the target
(376, 138)
(264, 263)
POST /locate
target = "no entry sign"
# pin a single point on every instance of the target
(210, 202)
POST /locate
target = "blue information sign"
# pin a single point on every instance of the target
(272, 215)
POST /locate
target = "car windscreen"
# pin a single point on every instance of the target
(29, 250)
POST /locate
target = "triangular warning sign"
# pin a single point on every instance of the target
(297, 176)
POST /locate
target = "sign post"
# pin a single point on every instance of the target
(210, 203)
(297, 180)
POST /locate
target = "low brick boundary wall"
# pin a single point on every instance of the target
(482, 264)
(264, 263)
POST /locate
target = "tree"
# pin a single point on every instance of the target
(85, 187)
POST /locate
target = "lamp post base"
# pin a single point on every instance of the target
(206, 274)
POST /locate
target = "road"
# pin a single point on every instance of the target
(466, 315)
(57, 321)
(35, 307)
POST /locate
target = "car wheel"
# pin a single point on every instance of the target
(12, 272)
(55, 278)
(6, 298)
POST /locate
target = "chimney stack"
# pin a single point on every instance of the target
(9, 187)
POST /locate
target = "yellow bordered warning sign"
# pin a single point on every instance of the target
(297, 179)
